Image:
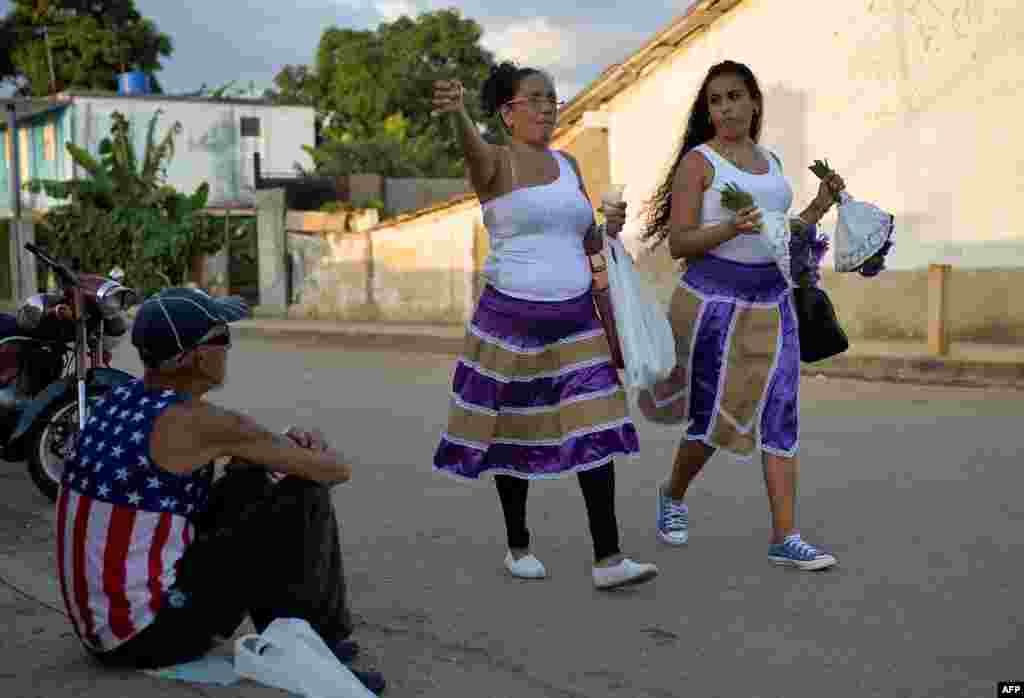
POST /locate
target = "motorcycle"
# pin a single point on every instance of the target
(55, 363)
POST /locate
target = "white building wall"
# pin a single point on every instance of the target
(210, 147)
(916, 104)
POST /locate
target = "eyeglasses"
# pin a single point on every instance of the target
(537, 103)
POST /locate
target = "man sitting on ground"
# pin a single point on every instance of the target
(156, 560)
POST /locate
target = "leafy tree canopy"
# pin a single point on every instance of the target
(90, 43)
(372, 90)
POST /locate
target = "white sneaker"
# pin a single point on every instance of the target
(526, 567)
(673, 519)
(626, 573)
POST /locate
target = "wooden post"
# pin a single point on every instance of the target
(938, 309)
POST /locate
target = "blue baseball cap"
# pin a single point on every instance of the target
(177, 320)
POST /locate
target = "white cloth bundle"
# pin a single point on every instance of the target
(862, 231)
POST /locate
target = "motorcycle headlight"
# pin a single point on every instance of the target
(114, 299)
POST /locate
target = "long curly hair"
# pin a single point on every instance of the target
(699, 129)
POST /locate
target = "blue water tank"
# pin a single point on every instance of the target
(134, 83)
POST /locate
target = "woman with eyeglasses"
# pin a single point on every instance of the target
(535, 394)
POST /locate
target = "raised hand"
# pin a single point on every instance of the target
(448, 96)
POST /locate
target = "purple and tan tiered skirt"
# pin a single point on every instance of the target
(534, 394)
(737, 379)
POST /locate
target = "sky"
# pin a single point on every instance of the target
(217, 41)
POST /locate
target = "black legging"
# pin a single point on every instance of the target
(598, 486)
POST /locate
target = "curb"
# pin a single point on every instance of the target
(915, 370)
(424, 343)
(922, 370)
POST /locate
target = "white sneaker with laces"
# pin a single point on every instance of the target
(626, 573)
(526, 567)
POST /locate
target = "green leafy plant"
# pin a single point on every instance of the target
(124, 214)
(336, 207)
(735, 199)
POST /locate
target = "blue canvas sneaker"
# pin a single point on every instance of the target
(794, 552)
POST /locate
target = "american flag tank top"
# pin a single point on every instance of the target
(123, 524)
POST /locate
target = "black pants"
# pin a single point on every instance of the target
(264, 550)
(598, 486)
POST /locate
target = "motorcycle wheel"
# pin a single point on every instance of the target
(49, 443)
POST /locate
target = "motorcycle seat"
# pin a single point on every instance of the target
(9, 326)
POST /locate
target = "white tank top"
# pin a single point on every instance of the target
(771, 192)
(536, 235)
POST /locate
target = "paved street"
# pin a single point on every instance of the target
(918, 491)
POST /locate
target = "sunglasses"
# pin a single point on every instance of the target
(219, 336)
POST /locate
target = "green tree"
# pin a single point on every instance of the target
(86, 43)
(372, 90)
(295, 85)
(124, 214)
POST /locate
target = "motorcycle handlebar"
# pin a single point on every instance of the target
(67, 276)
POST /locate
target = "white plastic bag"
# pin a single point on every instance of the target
(289, 655)
(648, 346)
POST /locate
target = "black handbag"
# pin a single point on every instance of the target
(821, 335)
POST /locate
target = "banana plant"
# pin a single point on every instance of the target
(123, 212)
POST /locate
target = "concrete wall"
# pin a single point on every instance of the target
(400, 195)
(210, 148)
(421, 270)
(912, 102)
(412, 194)
(983, 304)
(336, 287)
(306, 253)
